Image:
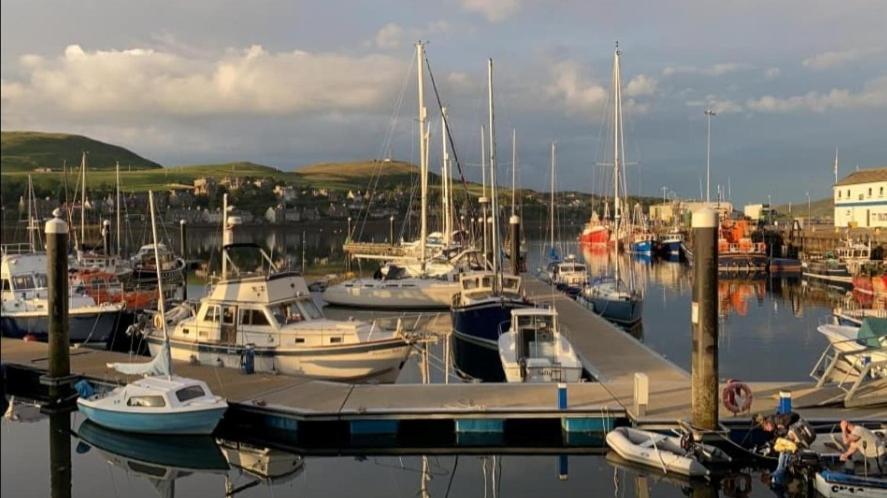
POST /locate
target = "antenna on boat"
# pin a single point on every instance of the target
(224, 235)
(161, 307)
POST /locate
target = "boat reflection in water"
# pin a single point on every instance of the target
(162, 460)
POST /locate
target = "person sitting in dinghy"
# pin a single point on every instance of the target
(863, 446)
(789, 433)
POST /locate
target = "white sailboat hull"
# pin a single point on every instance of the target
(411, 293)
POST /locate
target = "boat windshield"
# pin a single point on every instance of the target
(295, 311)
(29, 281)
(535, 323)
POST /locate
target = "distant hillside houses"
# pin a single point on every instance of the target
(861, 199)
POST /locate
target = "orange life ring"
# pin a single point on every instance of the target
(737, 396)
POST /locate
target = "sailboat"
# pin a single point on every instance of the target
(420, 289)
(608, 295)
(486, 298)
(553, 254)
(160, 402)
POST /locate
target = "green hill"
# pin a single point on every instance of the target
(357, 174)
(29, 150)
(818, 209)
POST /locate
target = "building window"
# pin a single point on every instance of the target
(839, 194)
(881, 194)
(848, 193)
(870, 191)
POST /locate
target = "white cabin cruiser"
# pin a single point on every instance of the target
(534, 350)
(24, 311)
(269, 316)
(406, 285)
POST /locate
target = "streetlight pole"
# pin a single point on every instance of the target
(808, 207)
(708, 114)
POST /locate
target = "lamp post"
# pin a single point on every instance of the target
(348, 234)
(391, 229)
(708, 114)
(808, 207)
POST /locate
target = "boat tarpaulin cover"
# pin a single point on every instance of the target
(873, 332)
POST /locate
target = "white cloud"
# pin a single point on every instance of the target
(574, 90)
(389, 36)
(640, 85)
(713, 70)
(872, 96)
(834, 58)
(493, 10)
(250, 81)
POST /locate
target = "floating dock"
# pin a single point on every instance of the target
(481, 413)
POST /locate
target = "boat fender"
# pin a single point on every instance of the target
(84, 389)
(737, 396)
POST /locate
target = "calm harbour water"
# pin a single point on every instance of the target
(767, 332)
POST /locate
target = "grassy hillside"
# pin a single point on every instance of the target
(818, 209)
(28, 150)
(153, 179)
(358, 174)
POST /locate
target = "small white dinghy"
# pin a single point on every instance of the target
(664, 452)
(159, 403)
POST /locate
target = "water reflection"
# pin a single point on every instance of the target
(109, 463)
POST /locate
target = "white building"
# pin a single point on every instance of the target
(861, 199)
(756, 212)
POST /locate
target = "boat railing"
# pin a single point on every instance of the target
(16, 248)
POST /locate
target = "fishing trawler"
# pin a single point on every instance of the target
(840, 265)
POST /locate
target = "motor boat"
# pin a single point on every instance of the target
(534, 350)
(866, 343)
(570, 275)
(271, 317)
(485, 302)
(25, 304)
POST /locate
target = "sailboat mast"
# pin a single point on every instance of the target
(494, 202)
(117, 207)
(31, 214)
(483, 192)
(836, 165)
(224, 235)
(617, 208)
(423, 164)
(513, 169)
(551, 205)
(161, 308)
(82, 200)
(444, 178)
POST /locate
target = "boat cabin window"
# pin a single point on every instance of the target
(212, 314)
(510, 284)
(286, 313)
(253, 317)
(535, 322)
(189, 393)
(146, 401)
(228, 315)
(6, 286)
(23, 282)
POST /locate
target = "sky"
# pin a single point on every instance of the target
(290, 83)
